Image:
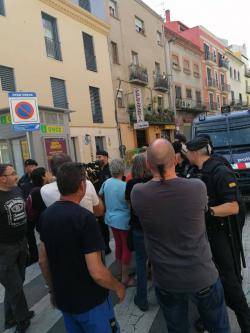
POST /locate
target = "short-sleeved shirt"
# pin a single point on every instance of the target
(70, 231)
(117, 213)
(51, 194)
(221, 182)
(13, 222)
(172, 214)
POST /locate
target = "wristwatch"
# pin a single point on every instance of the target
(211, 211)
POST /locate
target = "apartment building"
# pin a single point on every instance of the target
(137, 56)
(236, 80)
(185, 70)
(58, 49)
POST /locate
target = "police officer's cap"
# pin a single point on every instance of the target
(197, 144)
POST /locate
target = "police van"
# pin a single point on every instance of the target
(230, 134)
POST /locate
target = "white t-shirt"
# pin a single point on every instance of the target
(50, 194)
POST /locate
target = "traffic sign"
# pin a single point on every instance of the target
(24, 111)
(141, 125)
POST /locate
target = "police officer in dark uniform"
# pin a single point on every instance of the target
(183, 166)
(25, 182)
(222, 225)
(104, 174)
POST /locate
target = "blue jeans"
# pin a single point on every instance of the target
(100, 319)
(211, 306)
(141, 267)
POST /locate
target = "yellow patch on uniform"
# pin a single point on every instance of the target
(231, 185)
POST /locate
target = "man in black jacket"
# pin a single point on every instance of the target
(25, 182)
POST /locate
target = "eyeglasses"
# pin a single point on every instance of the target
(11, 174)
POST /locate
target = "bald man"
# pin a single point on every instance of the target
(171, 211)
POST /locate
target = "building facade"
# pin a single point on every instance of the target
(59, 50)
(185, 70)
(236, 80)
(138, 60)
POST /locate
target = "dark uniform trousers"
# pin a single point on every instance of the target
(234, 295)
(13, 258)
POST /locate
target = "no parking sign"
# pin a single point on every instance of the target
(24, 111)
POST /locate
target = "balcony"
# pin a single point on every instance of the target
(138, 75)
(189, 105)
(212, 84)
(161, 82)
(53, 48)
(225, 88)
(238, 104)
(210, 58)
(223, 64)
(213, 106)
(160, 117)
(248, 89)
(247, 72)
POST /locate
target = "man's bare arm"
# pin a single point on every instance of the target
(102, 275)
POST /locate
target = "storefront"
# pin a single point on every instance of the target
(53, 138)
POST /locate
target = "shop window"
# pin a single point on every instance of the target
(114, 50)
(85, 4)
(96, 105)
(7, 78)
(59, 93)
(113, 8)
(89, 52)
(139, 25)
(2, 10)
(4, 153)
(51, 37)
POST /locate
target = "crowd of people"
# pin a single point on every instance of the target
(178, 214)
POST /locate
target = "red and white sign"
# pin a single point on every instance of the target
(138, 105)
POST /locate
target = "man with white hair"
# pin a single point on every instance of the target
(171, 211)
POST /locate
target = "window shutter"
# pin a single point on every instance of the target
(89, 52)
(7, 78)
(96, 105)
(59, 93)
(85, 4)
(2, 11)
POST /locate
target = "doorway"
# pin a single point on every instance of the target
(141, 137)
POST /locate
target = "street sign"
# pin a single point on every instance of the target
(24, 111)
(138, 105)
(141, 125)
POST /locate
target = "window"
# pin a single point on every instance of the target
(211, 99)
(206, 51)
(196, 71)
(215, 57)
(89, 52)
(114, 51)
(100, 143)
(189, 93)
(85, 4)
(224, 101)
(186, 66)
(177, 92)
(209, 74)
(218, 100)
(157, 68)
(231, 72)
(7, 78)
(139, 26)
(113, 8)
(160, 103)
(216, 79)
(135, 58)
(120, 99)
(235, 76)
(2, 10)
(52, 44)
(240, 98)
(175, 61)
(96, 104)
(159, 38)
(232, 96)
(238, 76)
(198, 96)
(59, 93)
(222, 79)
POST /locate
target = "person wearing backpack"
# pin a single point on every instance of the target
(222, 225)
(34, 207)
